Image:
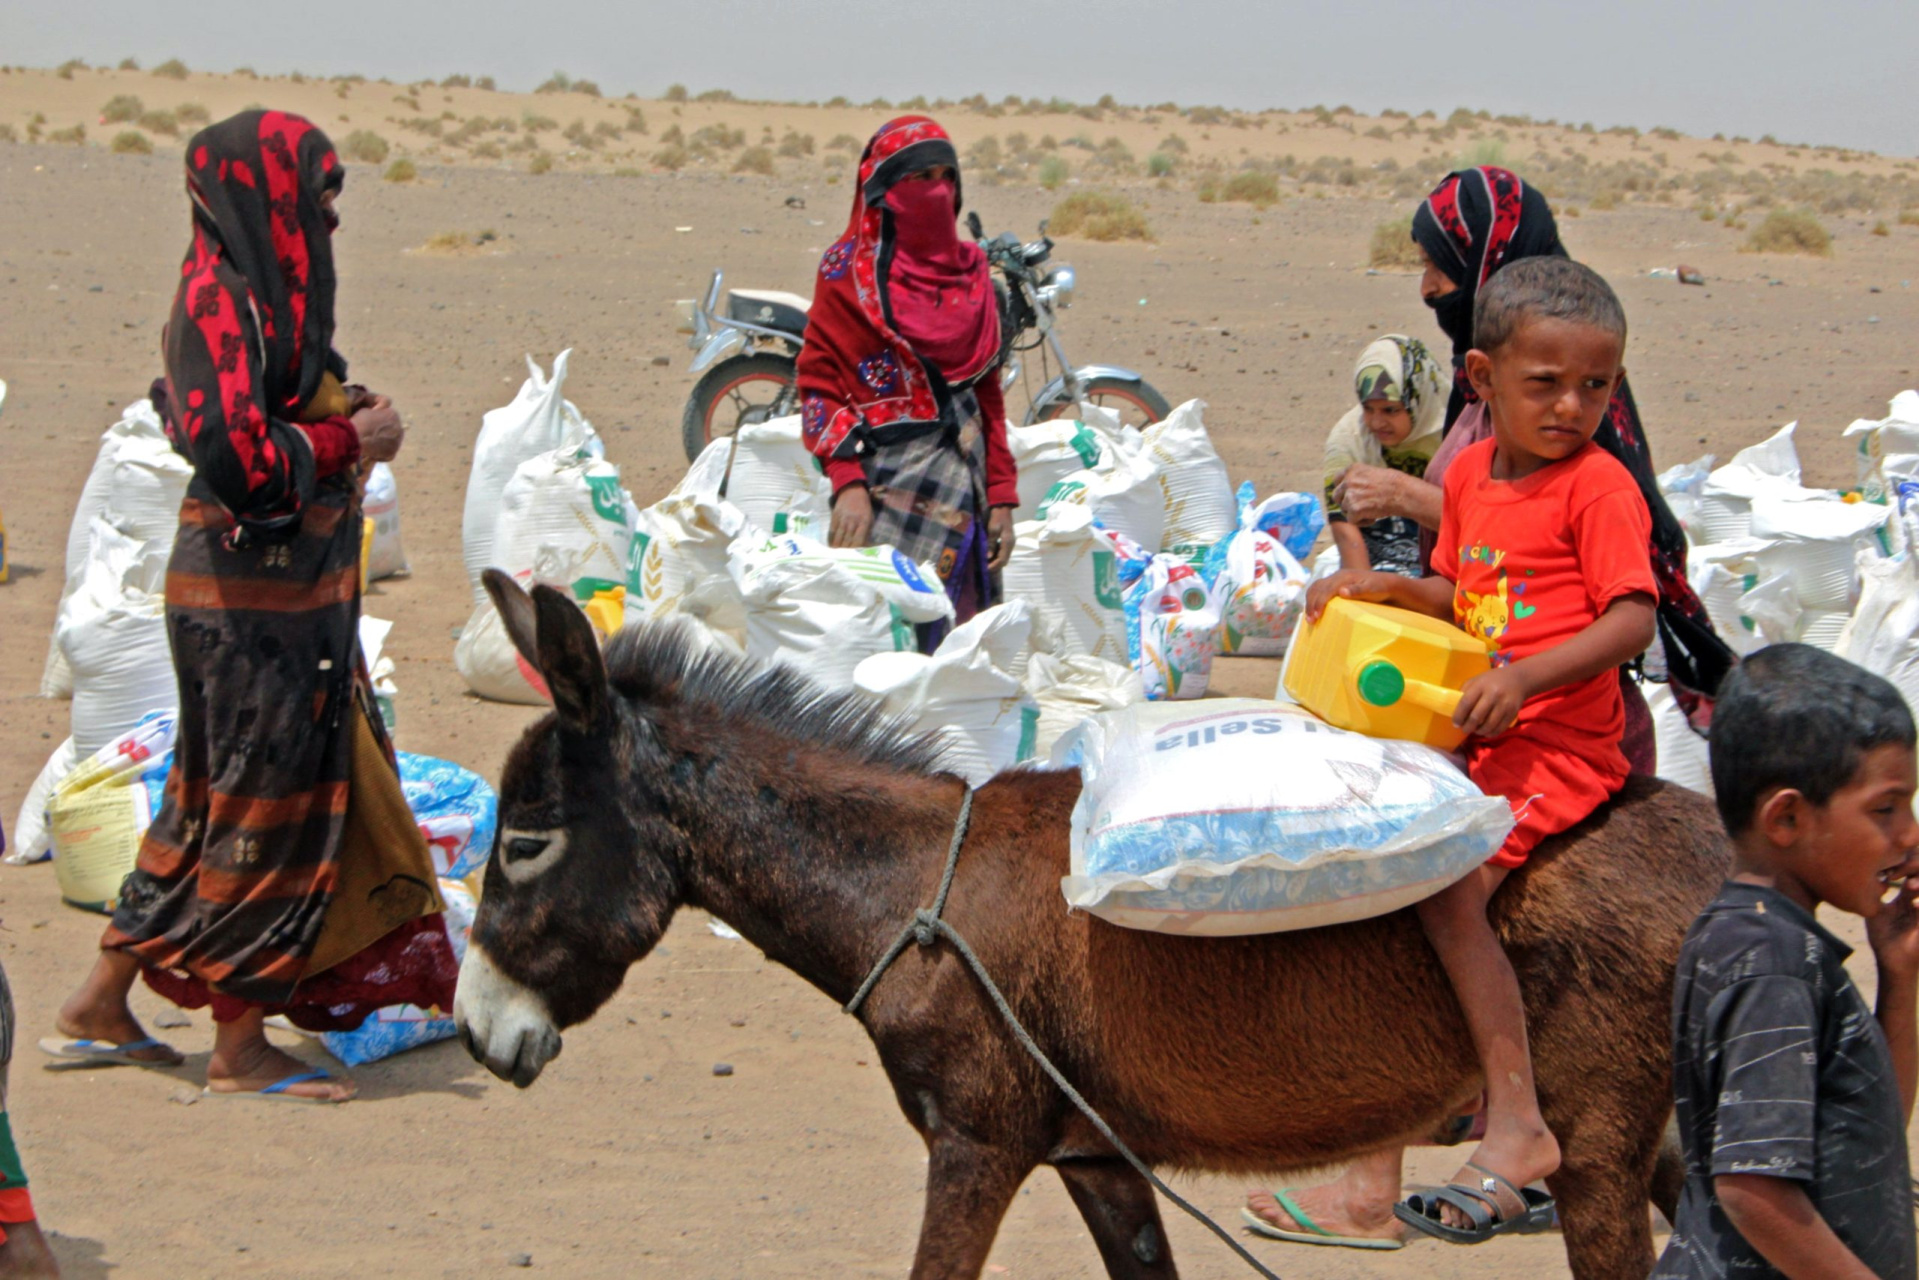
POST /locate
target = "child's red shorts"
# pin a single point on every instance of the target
(1549, 786)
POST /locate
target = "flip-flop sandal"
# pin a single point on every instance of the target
(277, 1091)
(73, 1055)
(1312, 1232)
(1482, 1207)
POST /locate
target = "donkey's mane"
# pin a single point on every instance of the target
(664, 662)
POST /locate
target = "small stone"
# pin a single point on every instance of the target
(662, 361)
(185, 1097)
(722, 1068)
(519, 1260)
(738, 1022)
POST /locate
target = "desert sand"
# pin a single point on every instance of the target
(630, 1157)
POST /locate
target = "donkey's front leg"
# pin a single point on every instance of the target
(1123, 1215)
(968, 1187)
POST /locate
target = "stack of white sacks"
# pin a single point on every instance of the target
(1775, 561)
(1109, 597)
(109, 650)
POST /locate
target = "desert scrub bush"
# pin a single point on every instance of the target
(1258, 189)
(626, 171)
(161, 122)
(1880, 228)
(171, 69)
(541, 162)
(1173, 145)
(1206, 115)
(486, 151)
(716, 95)
(131, 142)
(129, 64)
(1100, 215)
(795, 144)
(365, 146)
(1160, 165)
(456, 241)
(192, 113)
(671, 157)
(607, 129)
(717, 137)
(675, 93)
(120, 108)
(558, 82)
(1393, 246)
(401, 170)
(7, 134)
(844, 142)
(1053, 173)
(580, 136)
(69, 137)
(1483, 151)
(635, 120)
(66, 69)
(1790, 231)
(755, 160)
(673, 137)
(1909, 217)
(457, 81)
(985, 153)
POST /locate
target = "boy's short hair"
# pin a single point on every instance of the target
(1794, 716)
(1544, 289)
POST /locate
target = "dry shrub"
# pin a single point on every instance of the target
(171, 69)
(66, 69)
(1790, 231)
(365, 146)
(131, 142)
(1880, 228)
(69, 137)
(755, 160)
(7, 134)
(533, 122)
(796, 144)
(1909, 217)
(163, 122)
(626, 171)
(1259, 189)
(129, 64)
(558, 82)
(457, 81)
(1160, 164)
(458, 241)
(542, 162)
(675, 93)
(401, 170)
(635, 120)
(484, 82)
(192, 113)
(607, 129)
(671, 157)
(1053, 173)
(845, 142)
(120, 108)
(1393, 246)
(1099, 215)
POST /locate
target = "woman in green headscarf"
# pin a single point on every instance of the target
(1398, 423)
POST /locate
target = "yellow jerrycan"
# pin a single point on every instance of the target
(1384, 672)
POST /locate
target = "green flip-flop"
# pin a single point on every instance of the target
(1313, 1233)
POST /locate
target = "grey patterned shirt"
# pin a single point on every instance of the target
(1779, 1069)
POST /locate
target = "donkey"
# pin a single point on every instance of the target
(668, 775)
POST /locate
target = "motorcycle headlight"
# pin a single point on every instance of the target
(1061, 281)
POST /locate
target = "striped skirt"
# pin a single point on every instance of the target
(237, 871)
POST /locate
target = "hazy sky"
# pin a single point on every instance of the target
(1838, 71)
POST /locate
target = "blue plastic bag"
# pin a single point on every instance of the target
(455, 808)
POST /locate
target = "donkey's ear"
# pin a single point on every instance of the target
(516, 611)
(569, 658)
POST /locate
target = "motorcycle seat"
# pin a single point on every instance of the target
(769, 308)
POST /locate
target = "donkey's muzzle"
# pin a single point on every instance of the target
(502, 1023)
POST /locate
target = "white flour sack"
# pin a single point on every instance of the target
(1069, 574)
(1812, 543)
(572, 501)
(382, 506)
(1125, 498)
(113, 634)
(539, 420)
(776, 482)
(1049, 452)
(679, 554)
(965, 694)
(484, 655)
(1725, 499)
(137, 482)
(1683, 757)
(912, 588)
(1244, 816)
(1888, 448)
(1200, 509)
(32, 841)
(814, 616)
(1067, 690)
(1884, 637)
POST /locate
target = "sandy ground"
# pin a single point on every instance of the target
(630, 1157)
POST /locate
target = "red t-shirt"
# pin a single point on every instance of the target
(1534, 562)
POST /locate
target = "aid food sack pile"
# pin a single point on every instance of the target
(1237, 816)
(965, 694)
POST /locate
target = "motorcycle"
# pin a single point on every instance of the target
(748, 354)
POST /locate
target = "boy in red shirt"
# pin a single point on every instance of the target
(1542, 554)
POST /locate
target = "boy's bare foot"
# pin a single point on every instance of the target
(1332, 1211)
(255, 1063)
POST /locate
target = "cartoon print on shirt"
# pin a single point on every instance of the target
(1486, 614)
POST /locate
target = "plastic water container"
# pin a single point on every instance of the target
(1384, 672)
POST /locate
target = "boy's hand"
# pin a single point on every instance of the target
(1489, 704)
(1348, 584)
(1894, 932)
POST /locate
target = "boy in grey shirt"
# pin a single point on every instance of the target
(1793, 1098)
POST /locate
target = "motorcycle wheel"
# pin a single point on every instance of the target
(1138, 404)
(737, 393)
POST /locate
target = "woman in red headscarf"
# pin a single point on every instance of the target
(283, 873)
(899, 385)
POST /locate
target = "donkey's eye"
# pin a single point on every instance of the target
(525, 848)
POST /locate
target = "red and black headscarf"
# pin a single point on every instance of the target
(251, 333)
(900, 313)
(1475, 222)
